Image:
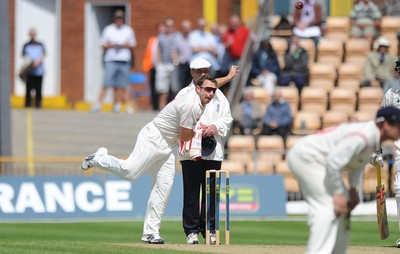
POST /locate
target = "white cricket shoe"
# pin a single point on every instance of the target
(90, 159)
(398, 243)
(213, 238)
(192, 238)
(152, 238)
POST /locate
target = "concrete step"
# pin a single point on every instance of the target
(73, 133)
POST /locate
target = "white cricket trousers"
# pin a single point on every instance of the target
(328, 233)
(154, 154)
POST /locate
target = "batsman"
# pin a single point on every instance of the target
(318, 161)
(392, 98)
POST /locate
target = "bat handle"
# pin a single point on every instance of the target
(378, 174)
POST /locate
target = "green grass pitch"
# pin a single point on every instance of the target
(103, 237)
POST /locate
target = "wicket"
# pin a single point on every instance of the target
(218, 174)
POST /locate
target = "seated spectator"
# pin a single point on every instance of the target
(278, 117)
(379, 66)
(265, 66)
(248, 115)
(307, 21)
(365, 19)
(296, 65)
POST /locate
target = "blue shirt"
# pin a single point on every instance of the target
(278, 112)
(34, 50)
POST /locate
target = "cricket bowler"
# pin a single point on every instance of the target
(156, 149)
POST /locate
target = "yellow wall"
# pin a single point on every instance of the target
(248, 11)
(341, 7)
(210, 9)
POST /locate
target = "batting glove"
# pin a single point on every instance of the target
(376, 157)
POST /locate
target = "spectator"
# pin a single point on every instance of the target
(265, 66)
(307, 22)
(235, 40)
(365, 19)
(167, 80)
(35, 52)
(118, 41)
(218, 31)
(248, 114)
(378, 69)
(278, 117)
(184, 54)
(149, 62)
(296, 65)
(204, 45)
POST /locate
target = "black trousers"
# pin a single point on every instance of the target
(194, 176)
(33, 83)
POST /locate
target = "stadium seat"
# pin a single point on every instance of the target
(270, 150)
(334, 117)
(290, 181)
(314, 99)
(390, 26)
(234, 167)
(241, 148)
(309, 46)
(291, 95)
(363, 116)
(330, 52)
(260, 95)
(291, 140)
(337, 28)
(322, 75)
(280, 46)
(343, 99)
(306, 122)
(369, 98)
(357, 50)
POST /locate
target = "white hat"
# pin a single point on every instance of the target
(200, 63)
(382, 41)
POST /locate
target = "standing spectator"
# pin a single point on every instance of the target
(318, 161)
(204, 45)
(235, 40)
(378, 69)
(216, 122)
(265, 67)
(218, 30)
(35, 52)
(167, 80)
(149, 62)
(119, 41)
(278, 117)
(248, 114)
(365, 19)
(156, 149)
(307, 21)
(184, 54)
(296, 65)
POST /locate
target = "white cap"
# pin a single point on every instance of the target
(382, 41)
(200, 63)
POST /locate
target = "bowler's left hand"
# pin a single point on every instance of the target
(210, 131)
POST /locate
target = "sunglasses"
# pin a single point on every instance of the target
(209, 89)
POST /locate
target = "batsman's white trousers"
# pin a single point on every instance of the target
(156, 155)
(328, 233)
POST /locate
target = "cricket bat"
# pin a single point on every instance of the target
(381, 205)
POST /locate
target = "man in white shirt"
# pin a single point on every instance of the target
(156, 149)
(118, 40)
(392, 98)
(318, 161)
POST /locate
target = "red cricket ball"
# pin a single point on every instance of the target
(299, 5)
